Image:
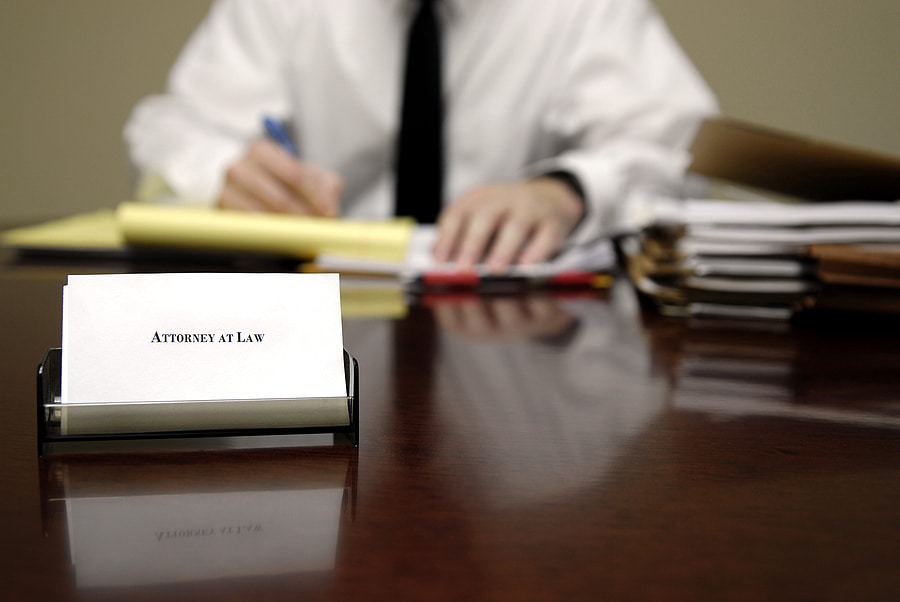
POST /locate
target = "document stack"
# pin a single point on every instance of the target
(781, 224)
(768, 259)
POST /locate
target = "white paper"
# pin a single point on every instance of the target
(419, 260)
(797, 236)
(200, 337)
(773, 213)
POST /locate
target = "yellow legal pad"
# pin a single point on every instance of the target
(97, 231)
(192, 228)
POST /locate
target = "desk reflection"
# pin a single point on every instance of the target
(545, 390)
(133, 521)
(837, 372)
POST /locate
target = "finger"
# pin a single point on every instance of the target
(507, 243)
(449, 230)
(310, 189)
(454, 220)
(322, 189)
(236, 198)
(475, 239)
(546, 240)
(250, 178)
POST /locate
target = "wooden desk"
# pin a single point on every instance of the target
(525, 450)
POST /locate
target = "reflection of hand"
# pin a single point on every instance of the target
(503, 318)
(268, 178)
(502, 224)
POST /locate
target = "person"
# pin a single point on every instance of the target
(554, 113)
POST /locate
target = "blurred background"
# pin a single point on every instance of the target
(73, 70)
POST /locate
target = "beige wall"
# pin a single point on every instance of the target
(823, 68)
(72, 71)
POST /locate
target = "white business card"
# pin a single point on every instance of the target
(199, 337)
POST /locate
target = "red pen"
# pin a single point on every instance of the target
(463, 279)
(472, 280)
(573, 278)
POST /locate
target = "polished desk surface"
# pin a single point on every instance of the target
(511, 449)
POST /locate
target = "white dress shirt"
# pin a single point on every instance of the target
(598, 88)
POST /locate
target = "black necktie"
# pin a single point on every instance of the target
(420, 148)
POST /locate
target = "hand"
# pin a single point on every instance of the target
(268, 178)
(502, 224)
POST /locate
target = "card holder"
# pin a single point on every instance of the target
(60, 422)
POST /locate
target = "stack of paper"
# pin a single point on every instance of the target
(419, 262)
(766, 258)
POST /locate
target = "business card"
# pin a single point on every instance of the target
(201, 337)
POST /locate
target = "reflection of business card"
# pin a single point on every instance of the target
(151, 539)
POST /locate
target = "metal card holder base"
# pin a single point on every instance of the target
(51, 413)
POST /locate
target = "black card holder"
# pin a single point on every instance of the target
(183, 420)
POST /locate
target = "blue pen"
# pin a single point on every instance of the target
(279, 134)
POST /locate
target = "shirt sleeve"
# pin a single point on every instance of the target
(627, 112)
(226, 77)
